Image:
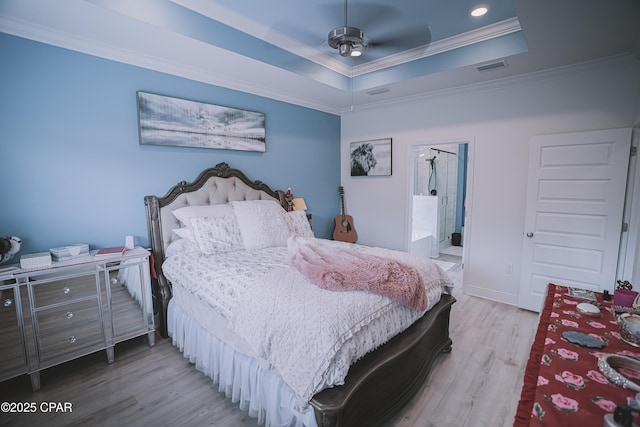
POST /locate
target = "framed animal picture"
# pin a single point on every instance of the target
(371, 158)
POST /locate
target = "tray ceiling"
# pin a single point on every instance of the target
(279, 49)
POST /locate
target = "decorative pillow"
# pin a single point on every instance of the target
(299, 223)
(262, 223)
(185, 214)
(216, 235)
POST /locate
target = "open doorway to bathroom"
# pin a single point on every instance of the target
(439, 190)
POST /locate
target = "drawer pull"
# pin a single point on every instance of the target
(69, 314)
(73, 339)
(8, 302)
(66, 290)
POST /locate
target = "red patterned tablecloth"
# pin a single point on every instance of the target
(562, 384)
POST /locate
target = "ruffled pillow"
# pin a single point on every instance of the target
(299, 223)
(185, 214)
(262, 223)
(216, 235)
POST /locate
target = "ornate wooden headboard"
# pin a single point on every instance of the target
(214, 186)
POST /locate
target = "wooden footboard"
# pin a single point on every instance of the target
(383, 381)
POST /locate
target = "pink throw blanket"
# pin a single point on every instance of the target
(344, 267)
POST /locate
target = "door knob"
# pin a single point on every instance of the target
(529, 234)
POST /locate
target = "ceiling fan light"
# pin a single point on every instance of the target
(356, 50)
(345, 49)
(346, 40)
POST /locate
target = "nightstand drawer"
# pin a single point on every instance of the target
(71, 342)
(67, 316)
(65, 290)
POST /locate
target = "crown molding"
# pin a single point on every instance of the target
(502, 83)
(469, 38)
(283, 41)
(47, 35)
(260, 31)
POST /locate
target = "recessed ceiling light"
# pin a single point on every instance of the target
(479, 11)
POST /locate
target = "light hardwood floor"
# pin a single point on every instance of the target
(477, 384)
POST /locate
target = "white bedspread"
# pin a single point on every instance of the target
(220, 280)
(309, 335)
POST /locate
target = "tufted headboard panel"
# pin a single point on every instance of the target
(214, 186)
(214, 191)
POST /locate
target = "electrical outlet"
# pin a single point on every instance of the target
(508, 269)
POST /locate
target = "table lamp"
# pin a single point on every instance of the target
(299, 204)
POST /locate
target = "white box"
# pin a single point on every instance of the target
(39, 259)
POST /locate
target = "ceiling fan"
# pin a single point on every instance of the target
(350, 41)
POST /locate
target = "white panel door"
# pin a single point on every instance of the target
(573, 222)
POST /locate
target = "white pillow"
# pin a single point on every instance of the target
(181, 246)
(216, 235)
(185, 214)
(299, 223)
(185, 233)
(262, 223)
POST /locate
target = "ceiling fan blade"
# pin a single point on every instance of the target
(368, 17)
(378, 22)
(400, 41)
(374, 19)
(306, 36)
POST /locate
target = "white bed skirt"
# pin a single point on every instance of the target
(260, 392)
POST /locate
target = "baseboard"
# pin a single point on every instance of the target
(502, 297)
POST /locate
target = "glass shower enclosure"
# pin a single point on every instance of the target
(438, 195)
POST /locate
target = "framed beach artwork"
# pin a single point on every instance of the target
(163, 120)
(371, 158)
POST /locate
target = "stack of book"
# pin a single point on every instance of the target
(107, 252)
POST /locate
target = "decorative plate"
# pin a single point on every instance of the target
(588, 309)
(582, 339)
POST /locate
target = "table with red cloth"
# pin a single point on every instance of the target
(562, 383)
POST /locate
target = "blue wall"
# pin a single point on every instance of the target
(74, 172)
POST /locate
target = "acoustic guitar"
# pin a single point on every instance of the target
(344, 230)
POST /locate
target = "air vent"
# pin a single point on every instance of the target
(378, 91)
(492, 65)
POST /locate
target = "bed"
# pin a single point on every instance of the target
(218, 326)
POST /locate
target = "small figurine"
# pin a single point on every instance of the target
(624, 284)
(289, 197)
(9, 246)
